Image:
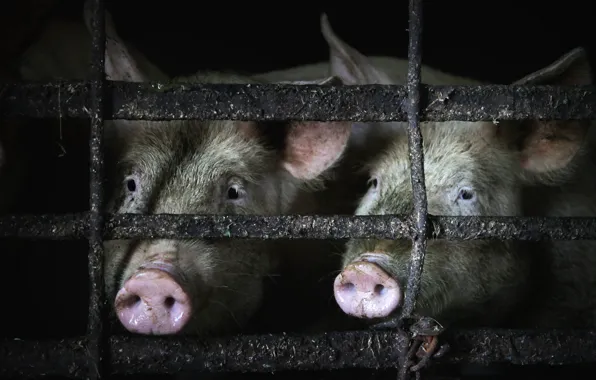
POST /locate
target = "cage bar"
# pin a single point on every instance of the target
(277, 352)
(416, 156)
(164, 101)
(95, 325)
(418, 218)
(164, 226)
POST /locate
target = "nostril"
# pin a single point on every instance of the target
(169, 302)
(380, 290)
(348, 287)
(131, 301)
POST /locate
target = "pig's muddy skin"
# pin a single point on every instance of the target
(506, 168)
(203, 286)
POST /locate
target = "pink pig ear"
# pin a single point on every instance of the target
(548, 146)
(314, 146)
(120, 65)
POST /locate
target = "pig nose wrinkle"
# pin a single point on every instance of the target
(152, 302)
(364, 290)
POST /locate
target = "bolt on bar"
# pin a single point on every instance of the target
(95, 326)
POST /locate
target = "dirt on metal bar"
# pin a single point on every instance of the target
(164, 101)
(269, 353)
(130, 226)
(416, 156)
(97, 308)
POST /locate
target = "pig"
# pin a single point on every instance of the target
(507, 168)
(204, 286)
(366, 138)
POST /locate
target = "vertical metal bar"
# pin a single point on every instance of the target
(95, 330)
(416, 155)
(418, 218)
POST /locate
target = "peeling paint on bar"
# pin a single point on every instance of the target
(163, 101)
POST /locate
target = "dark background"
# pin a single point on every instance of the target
(498, 41)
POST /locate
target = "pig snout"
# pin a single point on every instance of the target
(364, 290)
(153, 302)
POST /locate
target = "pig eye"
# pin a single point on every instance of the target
(465, 194)
(234, 192)
(131, 185)
(372, 183)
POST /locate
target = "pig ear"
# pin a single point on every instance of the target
(571, 69)
(314, 146)
(332, 80)
(311, 146)
(548, 146)
(120, 65)
(347, 63)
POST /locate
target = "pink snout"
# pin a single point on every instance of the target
(364, 290)
(152, 302)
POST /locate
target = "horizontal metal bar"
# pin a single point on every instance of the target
(132, 226)
(268, 353)
(168, 101)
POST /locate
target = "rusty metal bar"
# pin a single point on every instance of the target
(418, 218)
(97, 315)
(268, 353)
(277, 102)
(167, 226)
(416, 156)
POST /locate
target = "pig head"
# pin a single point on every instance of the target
(204, 286)
(509, 168)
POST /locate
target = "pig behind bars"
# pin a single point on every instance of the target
(221, 167)
(506, 168)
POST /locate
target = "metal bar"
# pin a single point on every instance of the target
(416, 156)
(418, 218)
(277, 102)
(167, 226)
(268, 353)
(97, 315)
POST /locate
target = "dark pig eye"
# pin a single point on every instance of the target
(373, 182)
(131, 185)
(466, 194)
(233, 192)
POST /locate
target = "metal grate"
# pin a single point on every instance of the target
(97, 355)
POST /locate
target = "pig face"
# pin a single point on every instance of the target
(203, 286)
(471, 168)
